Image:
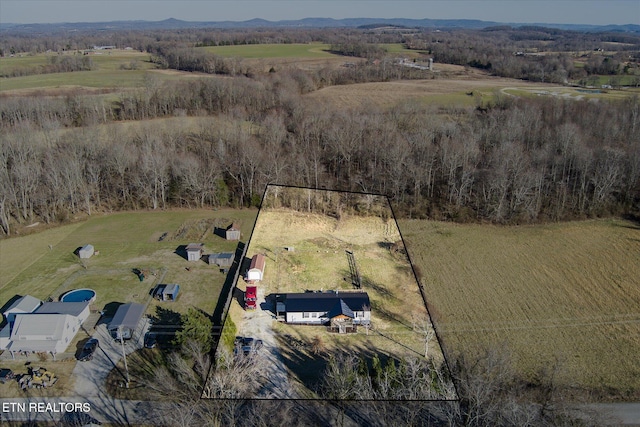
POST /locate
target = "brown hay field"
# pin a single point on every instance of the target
(435, 90)
(308, 64)
(453, 85)
(561, 295)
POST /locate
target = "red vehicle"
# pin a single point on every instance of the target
(250, 298)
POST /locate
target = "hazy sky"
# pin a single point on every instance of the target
(518, 11)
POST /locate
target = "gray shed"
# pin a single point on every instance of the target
(170, 292)
(233, 232)
(194, 251)
(86, 251)
(223, 260)
(126, 320)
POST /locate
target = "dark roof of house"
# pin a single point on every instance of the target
(340, 308)
(127, 315)
(71, 308)
(326, 301)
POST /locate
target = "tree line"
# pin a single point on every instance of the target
(55, 64)
(510, 161)
(187, 392)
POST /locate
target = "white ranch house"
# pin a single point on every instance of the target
(340, 311)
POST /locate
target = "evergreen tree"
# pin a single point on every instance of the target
(196, 326)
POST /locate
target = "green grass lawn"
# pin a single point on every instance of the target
(625, 80)
(125, 241)
(108, 60)
(298, 50)
(110, 70)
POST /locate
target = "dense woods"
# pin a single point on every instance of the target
(515, 160)
(509, 160)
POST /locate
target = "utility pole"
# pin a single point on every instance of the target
(124, 356)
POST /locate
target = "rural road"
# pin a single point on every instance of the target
(618, 413)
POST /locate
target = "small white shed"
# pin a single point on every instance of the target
(86, 251)
(233, 232)
(256, 269)
(194, 251)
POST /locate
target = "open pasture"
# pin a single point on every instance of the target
(103, 60)
(560, 295)
(60, 83)
(456, 89)
(280, 50)
(264, 57)
(44, 265)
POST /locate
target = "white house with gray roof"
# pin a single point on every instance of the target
(50, 333)
(79, 310)
(50, 328)
(25, 304)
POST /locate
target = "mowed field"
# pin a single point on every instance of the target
(264, 57)
(44, 265)
(111, 69)
(455, 87)
(281, 50)
(562, 295)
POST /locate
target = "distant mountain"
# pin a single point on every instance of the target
(172, 23)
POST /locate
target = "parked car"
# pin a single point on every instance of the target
(87, 351)
(246, 345)
(6, 375)
(150, 340)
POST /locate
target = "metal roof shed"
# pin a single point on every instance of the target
(126, 320)
(224, 259)
(170, 292)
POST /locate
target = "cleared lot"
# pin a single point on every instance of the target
(318, 261)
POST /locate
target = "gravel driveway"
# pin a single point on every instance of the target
(258, 324)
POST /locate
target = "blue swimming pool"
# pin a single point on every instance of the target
(79, 295)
